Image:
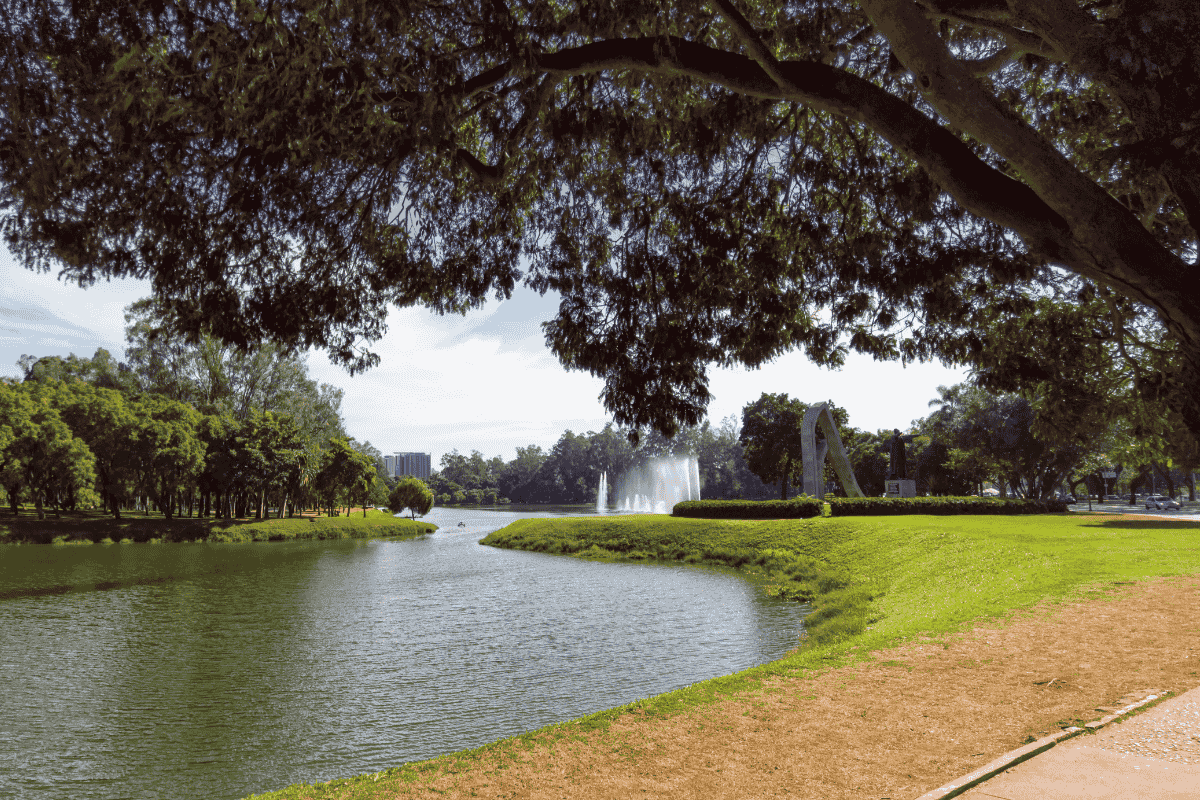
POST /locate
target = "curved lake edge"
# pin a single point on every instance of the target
(912, 549)
(82, 528)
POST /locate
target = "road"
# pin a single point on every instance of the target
(1190, 510)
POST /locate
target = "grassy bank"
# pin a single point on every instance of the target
(925, 576)
(87, 527)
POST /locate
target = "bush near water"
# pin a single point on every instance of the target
(802, 507)
(881, 506)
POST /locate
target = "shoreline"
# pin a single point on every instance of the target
(908, 629)
(83, 528)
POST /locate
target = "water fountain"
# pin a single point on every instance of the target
(656, 486)
(602, 496)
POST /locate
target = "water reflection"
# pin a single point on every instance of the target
(218, 671)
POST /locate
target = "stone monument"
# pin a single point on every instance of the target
(896, 484)
(813, 453)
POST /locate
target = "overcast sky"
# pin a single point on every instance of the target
(482, 382)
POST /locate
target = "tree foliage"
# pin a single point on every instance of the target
(771, 435)
(40, 457)
(346, 477)
(196, 425)
(411, 494)
(700, 182)
(978, 436)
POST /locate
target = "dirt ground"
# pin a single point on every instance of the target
(892, 729)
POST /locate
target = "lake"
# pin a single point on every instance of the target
(218, 671)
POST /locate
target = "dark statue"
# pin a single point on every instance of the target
(897, 468)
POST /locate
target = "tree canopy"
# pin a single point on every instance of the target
(410, 494)
(700, 182)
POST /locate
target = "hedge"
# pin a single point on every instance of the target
(879, 506)
(797, 508)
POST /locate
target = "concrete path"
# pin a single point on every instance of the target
(1153, 755)
(1190, 510)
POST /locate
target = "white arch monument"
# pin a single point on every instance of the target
(814, 453)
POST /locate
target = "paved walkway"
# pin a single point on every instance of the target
(1153, 755)
(1190, 510)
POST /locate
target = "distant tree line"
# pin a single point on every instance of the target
(569, 472)
(190, 428)
(1023, 445)
(975, 440)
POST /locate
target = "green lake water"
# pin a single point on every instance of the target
(216, 671)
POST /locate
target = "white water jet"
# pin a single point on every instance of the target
(602, 496)
(656, 486)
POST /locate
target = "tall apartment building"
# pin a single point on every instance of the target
(419, 465)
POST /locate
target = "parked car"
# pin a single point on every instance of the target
(1161, 502)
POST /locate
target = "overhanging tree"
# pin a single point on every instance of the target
(701, 182)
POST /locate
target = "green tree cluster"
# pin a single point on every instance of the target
(39, 454)
(976, 437)
(189, 427)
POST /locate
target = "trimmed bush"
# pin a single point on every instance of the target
(883, 506)
(801, 507)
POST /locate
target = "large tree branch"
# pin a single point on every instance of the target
(1057, 211)
(1089, 48)
(1107, 238)
(991, 16)
(986, 66)
(758, 51)
(979, 188)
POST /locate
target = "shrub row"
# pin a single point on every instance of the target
(797, 508)
(879, 506)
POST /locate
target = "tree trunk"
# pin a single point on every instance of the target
(783, 484)
(37, 504)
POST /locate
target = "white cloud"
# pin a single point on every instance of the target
(483, 382)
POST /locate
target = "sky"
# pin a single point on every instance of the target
(483, 382)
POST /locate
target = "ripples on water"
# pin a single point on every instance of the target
(218, 671)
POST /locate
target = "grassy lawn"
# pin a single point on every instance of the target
(88, 527)
(879, 581)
